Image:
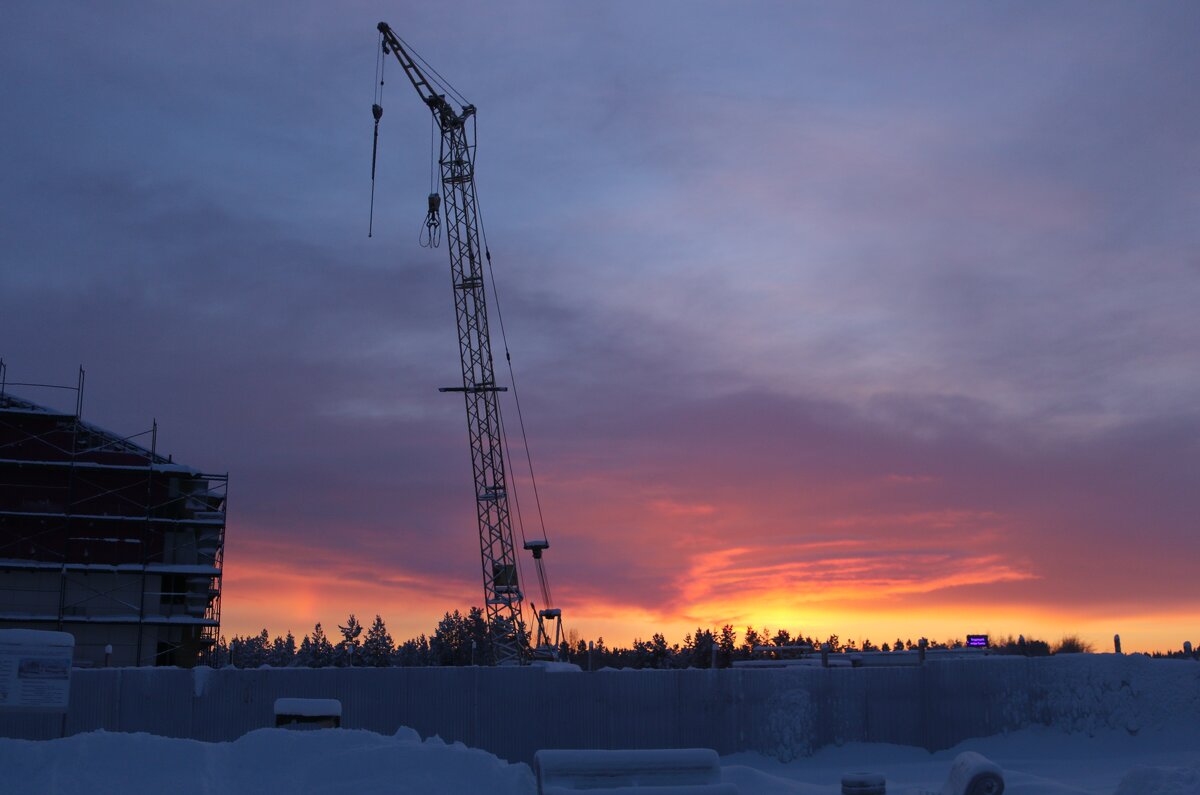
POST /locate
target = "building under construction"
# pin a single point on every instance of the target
(104, 538)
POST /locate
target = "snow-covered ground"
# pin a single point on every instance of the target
(1036, 761)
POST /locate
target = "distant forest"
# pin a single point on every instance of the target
(463, 640)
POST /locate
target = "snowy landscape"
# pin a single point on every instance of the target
(1036, 761)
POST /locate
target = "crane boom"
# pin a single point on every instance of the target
(502, 590)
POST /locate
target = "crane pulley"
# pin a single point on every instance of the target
(458, 206)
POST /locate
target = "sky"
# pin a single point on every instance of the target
(857, 318)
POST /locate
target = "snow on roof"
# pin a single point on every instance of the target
(114, 441)
(36, 637)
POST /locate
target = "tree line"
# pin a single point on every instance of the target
(464, 640)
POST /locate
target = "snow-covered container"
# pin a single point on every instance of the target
(662, 771)
(308, 713)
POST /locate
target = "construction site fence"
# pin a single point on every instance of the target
(514, 712)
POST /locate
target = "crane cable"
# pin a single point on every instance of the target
(377, 112)
(513, 380)
(430, 235)
(440, 82)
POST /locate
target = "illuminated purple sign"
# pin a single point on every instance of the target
(977, 641)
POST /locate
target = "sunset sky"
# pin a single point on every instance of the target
(876, 319)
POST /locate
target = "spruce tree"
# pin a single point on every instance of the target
(283, 651)
(322, 649)
(726, 645)
(350, 648)
(304, 655)
(451, 642)
(377, 649)
(660, 654)
(702, 648)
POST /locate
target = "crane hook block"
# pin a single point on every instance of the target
(377, 112)
(431, 233)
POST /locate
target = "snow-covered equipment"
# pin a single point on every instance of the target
(308, 713)
(974, 774)
(659, 771)
(864, 784)
(470, 266)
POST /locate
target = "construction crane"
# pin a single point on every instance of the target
(503, 597)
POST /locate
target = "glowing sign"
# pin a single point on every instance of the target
(977, 641)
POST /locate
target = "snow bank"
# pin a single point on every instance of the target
(1160, 781)
(1033, 761)
(268, 760)
(563, 770)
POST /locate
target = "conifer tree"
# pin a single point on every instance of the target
(702, 648)
(752, 639)
(726, 645)
(660, 654)
(283, 651)
(350, 648)
(321, 650)
(478, 639)
(377, 648)
(451, 642)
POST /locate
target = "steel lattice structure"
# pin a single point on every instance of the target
(502, 592)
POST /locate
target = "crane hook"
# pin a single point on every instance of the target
(431, 233)
(377, 112)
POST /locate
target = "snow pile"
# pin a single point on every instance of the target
(263, 761)
(790, 720)
(697, 769)
(1160, 781)
(1091, 693)
(1033, 761)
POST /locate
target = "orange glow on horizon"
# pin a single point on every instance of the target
(836, 592)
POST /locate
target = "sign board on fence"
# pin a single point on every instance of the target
(977, 641)
(35, 670)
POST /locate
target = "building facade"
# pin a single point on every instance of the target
(107, 540)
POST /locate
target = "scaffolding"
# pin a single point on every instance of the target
(105, 538)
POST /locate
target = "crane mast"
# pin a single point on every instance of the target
(502, 590)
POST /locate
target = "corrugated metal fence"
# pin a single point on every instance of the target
(514, 712)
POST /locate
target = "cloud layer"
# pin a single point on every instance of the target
(845, 319)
